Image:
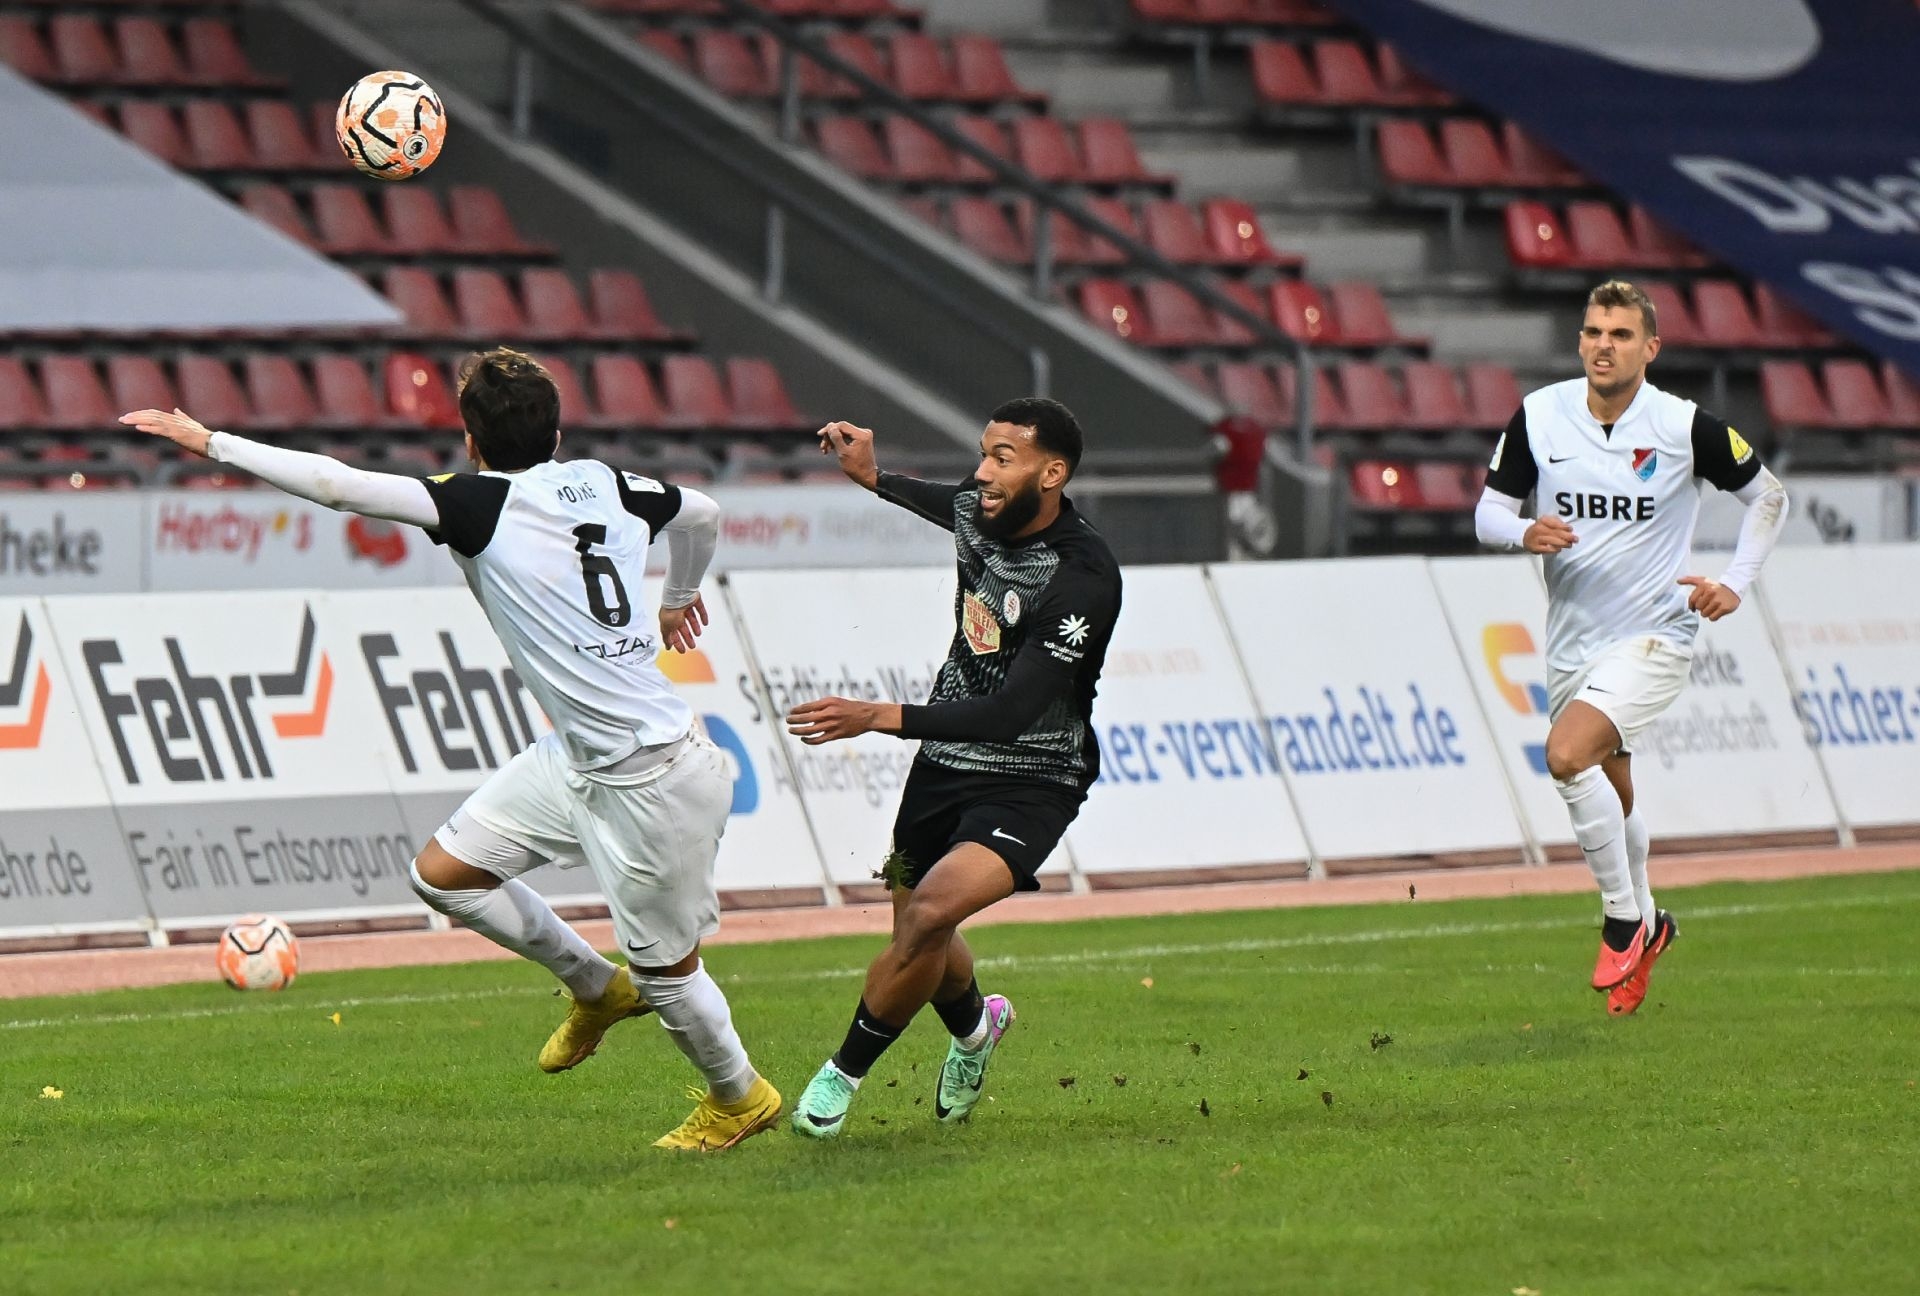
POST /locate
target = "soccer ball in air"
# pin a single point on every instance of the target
(258, 953)
(391, 125)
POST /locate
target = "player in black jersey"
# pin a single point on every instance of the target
(1007, 742)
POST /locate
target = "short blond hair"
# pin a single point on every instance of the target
(1618, 292)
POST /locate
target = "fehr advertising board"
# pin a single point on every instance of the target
(1189, 776)
(62, 862)
(239, 753)
(1370, 710)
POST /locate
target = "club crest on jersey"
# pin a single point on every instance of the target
(1644, 462)
(1010, 607)
(977, 623)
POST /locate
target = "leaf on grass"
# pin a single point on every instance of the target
(894, 1083)
(1526, 1291)
(1326, 1096)
(671, 1223)
(1204, 1109)
(1193, 1047)
(1065, 1082)
(1120, 1082)
(1379, 1041)
(1231, 1171)
(50, 1092)
(335, 1019)
(1526, 1026)
(1147, 982)
(1304, 1073)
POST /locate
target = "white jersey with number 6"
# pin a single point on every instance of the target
(557, 556)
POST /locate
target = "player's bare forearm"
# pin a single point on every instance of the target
(853, 447)
(831, 719)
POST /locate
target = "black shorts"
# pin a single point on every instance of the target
(1020, 820)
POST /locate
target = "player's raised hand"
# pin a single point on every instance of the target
(178, 427)
(1710, 599)
(830, 718)
(1549, 534)
(853, 446)
(680, 627)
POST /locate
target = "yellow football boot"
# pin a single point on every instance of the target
(589, 1020)
(716, 1126)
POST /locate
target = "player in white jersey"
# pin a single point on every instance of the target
(1613, 461)
(556, 554)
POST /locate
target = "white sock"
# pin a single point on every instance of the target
(1600, 827)
(515, 916)
(1638, 848)
(979, 1035)
(853, 1082)
(694, 1010)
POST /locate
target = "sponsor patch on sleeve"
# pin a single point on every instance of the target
(1738, 444)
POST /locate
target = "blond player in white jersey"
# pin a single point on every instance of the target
(556, 555)
(1614, 462)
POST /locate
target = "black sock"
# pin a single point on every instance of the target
(961, 1014)
(867, 1038)
(1618, 933)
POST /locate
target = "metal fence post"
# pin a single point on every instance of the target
(774, 285)
(522, 106)
(1043, 254)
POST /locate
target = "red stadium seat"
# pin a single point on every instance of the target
(1329, 410)
(926, 208)
(1783, 324)
(416, 223)
(1111, 306)
(1301, 312)
(1853, 394)
(482, 227)
(849, 144)
(486, 306)
(1233, 228)
(1067, 242)
(1535, 239)
(1600, 239)
(1194, 375)
(418, 394)
(981, 74)
(1726, 319)
(628, 397)
(1474, 159)
(136, 382)
(1408, 156)
(919, 71)
(279, 392)
(81, 50)
(1111, 158)
(280, 140)
(1379, 486)
(1903, 397)
(1672, 316)
(1660, 246)
(147, 55)
(1434, 402)
(982, 224)
(1493, 394)
(576, 411)
(1043, 146)
(215, 141)
(344, 395)
(695, 398)
(1280, 75)
(759, 398)
(418, 295)
(154, 128)
(1175, 317)
(348, 227)
(555, 312)
(1363, 319)
(1346, 77)
(667, 45)
(276, 206)
(74, 394)
(326, 140)
(728, 63)
(1533, 164)
(22, 49)
(1406, 87)
(1372, 400)
(1230, 331)
(1445, 486)
(1247, 388)
(621, 308)
(919, 156)
(1175, 233)
(1792, 398)
(985, 132)
(209, 392)
(215, 56)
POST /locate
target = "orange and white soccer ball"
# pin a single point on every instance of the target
(391, 125)
(258, 953)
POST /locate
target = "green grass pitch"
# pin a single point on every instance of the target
(1408, 1098)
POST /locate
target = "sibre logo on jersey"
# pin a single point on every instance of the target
(474, 717)
(1601, 507)
(191, 720)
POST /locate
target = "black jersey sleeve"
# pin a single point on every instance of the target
(469, 505)
(1073, 615)
(1720, 454)
(931, 500)
(1513, 470)
(654, 502)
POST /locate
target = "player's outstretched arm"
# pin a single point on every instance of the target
(313, 477)
(853, 447)
(692, 536)
(1766, 501)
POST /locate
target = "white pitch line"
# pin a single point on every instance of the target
(1018, 962)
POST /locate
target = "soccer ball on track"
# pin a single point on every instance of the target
(258, 953)
(391, 125)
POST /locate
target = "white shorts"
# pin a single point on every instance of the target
(649, 836)
(1631, 683)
